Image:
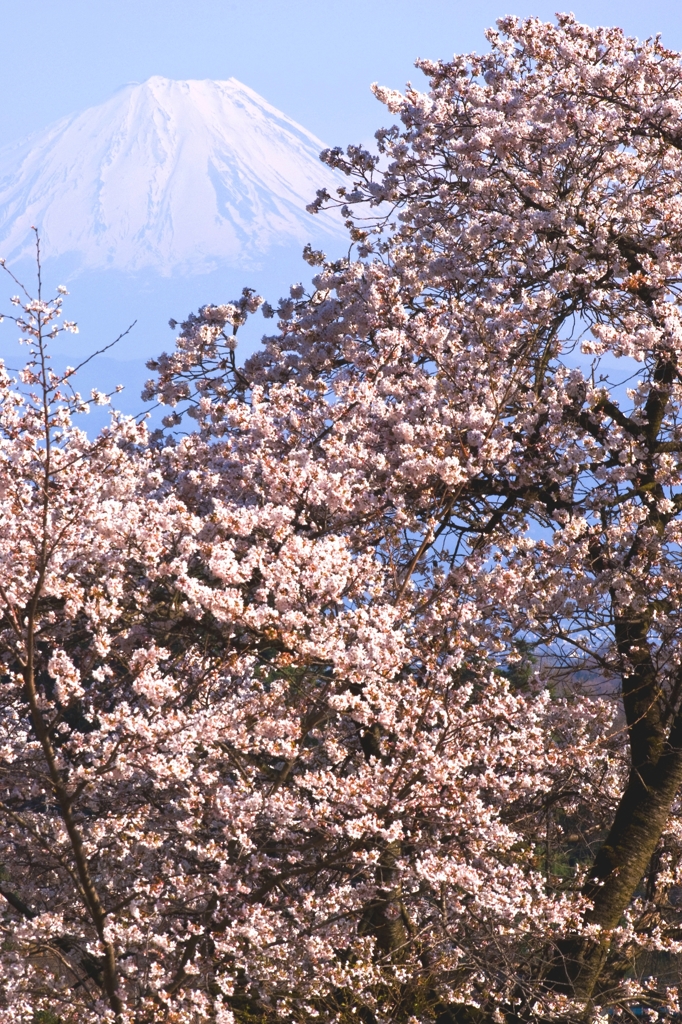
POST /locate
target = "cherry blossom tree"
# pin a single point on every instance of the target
(240, 780)
(300, 712)
(517, 268)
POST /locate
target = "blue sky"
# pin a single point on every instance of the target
(313, 60)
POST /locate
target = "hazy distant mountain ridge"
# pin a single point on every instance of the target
(167, 175)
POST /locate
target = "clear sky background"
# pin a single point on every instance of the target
(314, 59)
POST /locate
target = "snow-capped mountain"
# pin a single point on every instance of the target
(167, 176)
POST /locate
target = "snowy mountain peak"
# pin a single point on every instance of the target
(166, 175)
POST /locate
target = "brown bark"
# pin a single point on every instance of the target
(654, 779)
(619, 868)
(384, 917)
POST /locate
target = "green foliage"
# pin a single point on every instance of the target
(521, 672)
(46, 1017)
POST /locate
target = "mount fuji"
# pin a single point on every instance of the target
(167, 176)
(168, 196)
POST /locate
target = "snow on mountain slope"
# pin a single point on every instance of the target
(169, 176)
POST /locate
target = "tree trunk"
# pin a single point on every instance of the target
(617, 871)
(642, 813)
